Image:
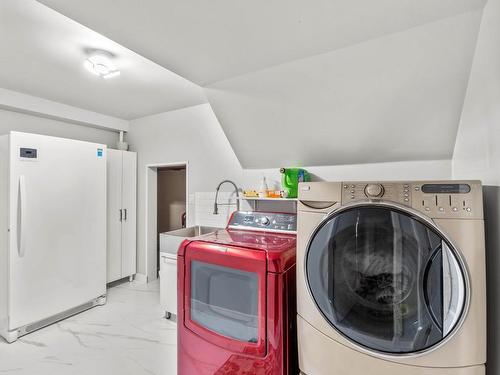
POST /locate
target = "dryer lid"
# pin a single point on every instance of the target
(386, 279)
(280, 248)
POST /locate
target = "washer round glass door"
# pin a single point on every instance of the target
(386, 279)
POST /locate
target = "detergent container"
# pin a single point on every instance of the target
(290, 178)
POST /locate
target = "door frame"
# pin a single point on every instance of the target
(151, 209)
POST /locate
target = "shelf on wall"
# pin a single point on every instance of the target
(264, 204)
(268, 199)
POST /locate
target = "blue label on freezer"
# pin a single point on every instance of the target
(99, 152)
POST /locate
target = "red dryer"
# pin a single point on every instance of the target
(236, 298)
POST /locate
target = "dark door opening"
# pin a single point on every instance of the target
(171, 201)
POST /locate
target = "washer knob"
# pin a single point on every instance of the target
(374, 190)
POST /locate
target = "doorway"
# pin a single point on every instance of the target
(170, 202)
(166, 207)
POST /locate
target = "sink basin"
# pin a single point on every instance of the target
(170, 241)
(195, 231)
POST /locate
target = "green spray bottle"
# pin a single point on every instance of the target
(290, 178)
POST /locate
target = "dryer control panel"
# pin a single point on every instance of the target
(264, 221)
(436, 199)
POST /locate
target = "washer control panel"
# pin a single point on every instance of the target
(264, 221)
(391, 191)
(437, 199)
(449, 199)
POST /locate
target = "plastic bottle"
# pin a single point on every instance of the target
(263, 188)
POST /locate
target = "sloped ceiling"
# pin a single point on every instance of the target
(207, 41)
(42, 54)
(389, 99)
(320, 82)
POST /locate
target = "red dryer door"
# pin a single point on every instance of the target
(225, 296)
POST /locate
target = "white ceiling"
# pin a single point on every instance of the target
(42, 54)
(394, 98)
(292, 82)
(317, 82)
(207, 41)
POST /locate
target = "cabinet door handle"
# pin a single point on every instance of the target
(121, 214)
(125, 214)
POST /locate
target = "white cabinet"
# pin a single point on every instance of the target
(121, 203)
(168, 283)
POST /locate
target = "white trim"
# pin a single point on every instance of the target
(154, 167)
(18, 102)
(140, 278)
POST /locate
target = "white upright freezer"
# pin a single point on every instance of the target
(53, 230)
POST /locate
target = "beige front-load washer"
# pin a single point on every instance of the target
(391, 278)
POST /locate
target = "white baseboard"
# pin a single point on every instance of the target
(141, 278)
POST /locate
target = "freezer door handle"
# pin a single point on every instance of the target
(21, 218)
(121, 214)
(125, 214)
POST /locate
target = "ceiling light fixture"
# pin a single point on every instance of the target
(100, 63)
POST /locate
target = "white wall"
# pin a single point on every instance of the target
(194, 135)
(32, 124)
(477, 155)
(191, 134)
(477, 151)
(405, 170)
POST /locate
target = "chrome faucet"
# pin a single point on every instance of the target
(216, 205)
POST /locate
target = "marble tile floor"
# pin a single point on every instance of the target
(126, 336)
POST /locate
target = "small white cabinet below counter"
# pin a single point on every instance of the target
(169, 245)
(121, 221)
(168, 283)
